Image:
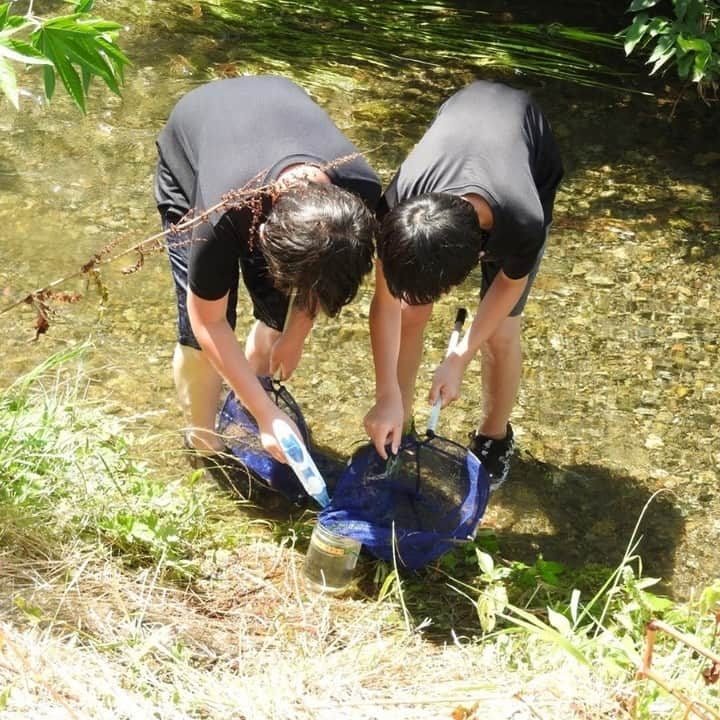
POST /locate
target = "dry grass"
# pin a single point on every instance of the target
(89, 639)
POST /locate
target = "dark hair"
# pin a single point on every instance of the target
(319, 243)
(429, 244)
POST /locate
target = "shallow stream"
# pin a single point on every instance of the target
(621, 388)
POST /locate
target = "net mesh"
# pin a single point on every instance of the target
(419, 504)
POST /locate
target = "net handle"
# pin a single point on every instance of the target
(454, 339)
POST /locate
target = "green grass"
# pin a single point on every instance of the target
(134, 590)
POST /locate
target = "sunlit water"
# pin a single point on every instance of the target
(620, 396)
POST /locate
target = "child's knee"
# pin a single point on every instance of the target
(416, 316)
(505, 339)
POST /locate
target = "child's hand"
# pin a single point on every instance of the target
(267, 435)
(384, 424)
(447, 380)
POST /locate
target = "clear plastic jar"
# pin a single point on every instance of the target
(330, 561)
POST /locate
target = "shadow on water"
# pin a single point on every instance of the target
(584, 514)
(586, 517)
(379, 37)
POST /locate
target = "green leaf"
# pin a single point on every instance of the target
(8, 83)
(681, 7)
(695, 44)
(387, 586)
(142, 531)
(87, 78)
(79, 25)
(559, 622)
(574, 605)
(662, 60)
(32, 612)
(12, 24)
(656, 603)
(549, 570)
(4, 13)
(487, 617)
(49, 81)
(115, 55)
(636, 5)
(22, 52)
(485, 562)
(684, 63)
(658, 26)
(70, 40)
(84, 6)
(90, 45)
(701, 61)
(646, 582)
(664, 50)
(526, 620)
(635, 32)
(101, 26)
(5, 696)
(26, 48)
(710, 598)
(56, 50)
(91, 61)
(664, 45)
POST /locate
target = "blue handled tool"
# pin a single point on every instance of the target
(301, 462)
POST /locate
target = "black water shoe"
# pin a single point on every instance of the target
(495, 455)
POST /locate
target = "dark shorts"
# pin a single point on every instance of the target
(269, 305)
(490, 269)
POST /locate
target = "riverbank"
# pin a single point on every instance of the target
(127, 592)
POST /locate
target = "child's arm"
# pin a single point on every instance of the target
(287, 349)
(501, 297)
(384, 421)
(218, 341)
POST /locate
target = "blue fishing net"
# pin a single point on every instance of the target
(418, 505)
(242, 438)
(241, 435)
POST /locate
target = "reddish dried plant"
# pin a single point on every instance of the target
(249, 196)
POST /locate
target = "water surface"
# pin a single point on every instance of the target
(620, 395)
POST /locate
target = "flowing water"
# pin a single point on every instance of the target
(621, 389)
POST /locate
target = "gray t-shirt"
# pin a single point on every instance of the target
(493, 141)
(240, 133)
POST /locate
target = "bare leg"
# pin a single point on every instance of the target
(198, 388)
(258, 345)
(501, 372)
(414, 319)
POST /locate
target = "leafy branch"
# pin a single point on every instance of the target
(41, 298)
(76, 48)
(690, 40)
